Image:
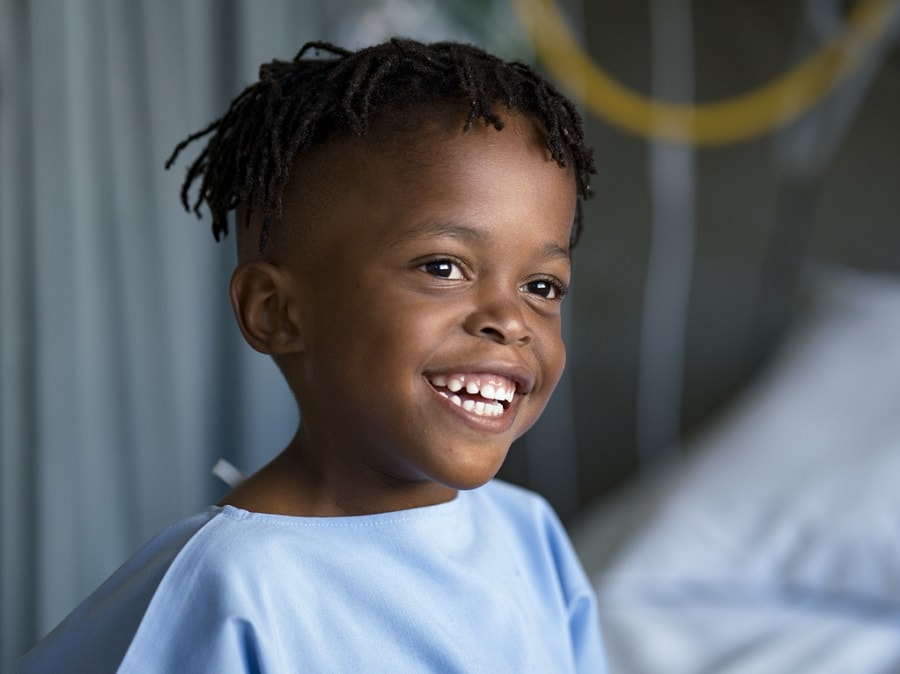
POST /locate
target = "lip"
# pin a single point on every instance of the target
(521, 377)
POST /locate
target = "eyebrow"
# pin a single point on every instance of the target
(469, 233)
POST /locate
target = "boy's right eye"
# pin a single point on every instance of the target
(443, 268)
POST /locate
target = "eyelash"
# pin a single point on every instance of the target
(446, 263)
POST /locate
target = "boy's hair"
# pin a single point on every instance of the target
(300, 103)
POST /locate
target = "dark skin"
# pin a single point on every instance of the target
(413, 273)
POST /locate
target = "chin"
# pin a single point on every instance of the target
(474, 477)
(468, 485)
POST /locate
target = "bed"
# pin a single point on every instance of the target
(773, 543)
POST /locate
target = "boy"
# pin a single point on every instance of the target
(405, 218)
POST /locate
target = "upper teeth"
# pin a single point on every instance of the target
(491, 387)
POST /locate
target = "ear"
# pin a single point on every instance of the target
(265, 308)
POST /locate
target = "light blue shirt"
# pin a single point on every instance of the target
(485, 583)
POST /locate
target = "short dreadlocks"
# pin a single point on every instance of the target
(300, 103)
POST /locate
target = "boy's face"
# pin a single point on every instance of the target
(428, 296)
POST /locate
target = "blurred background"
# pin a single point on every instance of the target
(742, 149)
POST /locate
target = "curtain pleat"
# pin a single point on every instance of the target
(122, 370)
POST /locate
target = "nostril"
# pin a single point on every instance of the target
(504, 337)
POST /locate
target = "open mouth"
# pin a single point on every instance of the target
(485, 395)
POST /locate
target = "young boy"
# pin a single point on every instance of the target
(405, 219)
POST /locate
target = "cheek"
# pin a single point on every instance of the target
(404, 328)
(549, 352)
(557, 360)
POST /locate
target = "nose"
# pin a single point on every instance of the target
(499, 318)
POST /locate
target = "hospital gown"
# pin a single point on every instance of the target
(487, 582)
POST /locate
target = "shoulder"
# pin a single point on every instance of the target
(538, 541)
(95, 636)
(529, 524)
(533, 530)
(181, 603)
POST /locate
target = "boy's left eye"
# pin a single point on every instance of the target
(447, 269)
(546, 288)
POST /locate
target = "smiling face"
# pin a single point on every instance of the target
(428, 296)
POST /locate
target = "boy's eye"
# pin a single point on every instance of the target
(546, 288)
(443, 269)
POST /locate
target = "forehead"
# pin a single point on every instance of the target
(427, 167)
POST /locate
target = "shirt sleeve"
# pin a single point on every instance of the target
(581, 600)
(584, 626)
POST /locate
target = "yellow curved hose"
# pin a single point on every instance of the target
(727, 121)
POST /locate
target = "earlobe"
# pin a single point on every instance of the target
(264, 308)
